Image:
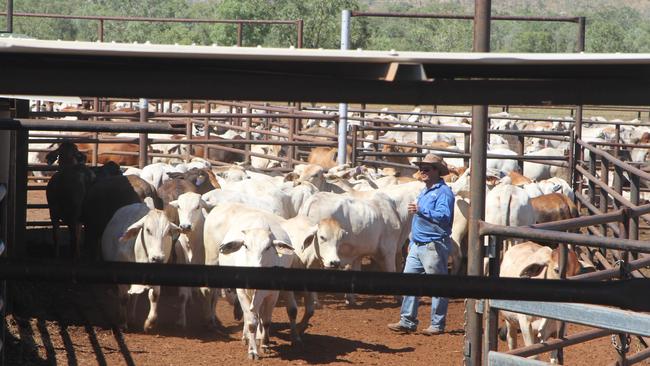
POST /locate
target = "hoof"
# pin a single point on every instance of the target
(318, 305)
(149, 326)
(253, 356)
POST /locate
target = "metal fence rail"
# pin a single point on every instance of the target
(620, 292)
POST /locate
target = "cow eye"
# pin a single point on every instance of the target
(322, 238)
(556, 269)
(148, 231)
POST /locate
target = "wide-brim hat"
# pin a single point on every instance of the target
(436, 161)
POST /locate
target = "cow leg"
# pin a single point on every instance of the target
(511, 334)
(250, 329)
(265, 317)
(75, 242)
(292, 312)
(132, 306)
(208, 303)
(55, 240)
(152, 318)
(184, 293)
(351, 299)
(526, 326)
(308, 299)
(123, 302)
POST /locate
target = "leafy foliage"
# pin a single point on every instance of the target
(609, 28)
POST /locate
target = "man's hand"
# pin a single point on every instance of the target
(412, 207)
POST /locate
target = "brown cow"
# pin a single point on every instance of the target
(518, 179)
(104, 153)
(553, 207)
(326, 156)
(221, 155)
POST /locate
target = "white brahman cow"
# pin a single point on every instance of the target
(237, 235)
(142, 234)
(351, 228)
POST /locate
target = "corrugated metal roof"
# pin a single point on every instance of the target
(20, 45)
(271, 74)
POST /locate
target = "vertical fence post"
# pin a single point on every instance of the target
(100, 30)
(95, 157)
(473, 319)
(635, 190)
(292, 148)
(10, 16)
(353, 156)
(300, 26)
(582, 22)
(577, 150)
(186, 148)
(520, 151)
(142, 154)
(239, 34)
(490, 315)
(343, 107)
(247, 147)
(206, 131)
(604, 177)
(592, 185)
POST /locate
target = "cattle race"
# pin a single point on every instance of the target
(277, 206)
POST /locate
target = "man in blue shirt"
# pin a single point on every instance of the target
(433, 215)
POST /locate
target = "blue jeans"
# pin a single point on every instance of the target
(430, 259)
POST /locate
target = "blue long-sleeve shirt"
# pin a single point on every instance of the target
(435, 215)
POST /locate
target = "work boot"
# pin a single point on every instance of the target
(399, 327)
(432, 331)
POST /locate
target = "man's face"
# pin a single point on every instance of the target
(429, 173)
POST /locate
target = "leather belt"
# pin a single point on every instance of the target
(423, 243)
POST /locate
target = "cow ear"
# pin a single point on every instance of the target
(133, 230)
(230, 247)
(310, 238)
(282, 247)
(149, 202)
(291, 177)
(532, 270)
(174, 230)
(174, 203)
(52, 156)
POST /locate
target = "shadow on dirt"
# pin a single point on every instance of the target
(320, 349)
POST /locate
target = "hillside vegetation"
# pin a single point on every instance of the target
(612, 26)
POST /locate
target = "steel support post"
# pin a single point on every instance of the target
(577, 150)
(479, 142)
(142, 154)
(635, 190)
(10, 16)
(343, 107)
(604, 177)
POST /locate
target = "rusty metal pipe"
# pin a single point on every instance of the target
(570, 238)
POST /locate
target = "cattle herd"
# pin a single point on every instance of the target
(319, 215)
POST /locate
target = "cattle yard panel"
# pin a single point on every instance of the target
(615, 219)
(298, 23)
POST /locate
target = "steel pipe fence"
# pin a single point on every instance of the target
(298, 23)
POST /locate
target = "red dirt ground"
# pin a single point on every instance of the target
(56, 324)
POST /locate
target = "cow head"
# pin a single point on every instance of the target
(156, 236)
(191, 210)
(545, 264)
(314, 174)
(329, 237)
(67, 154)
(258, 247)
